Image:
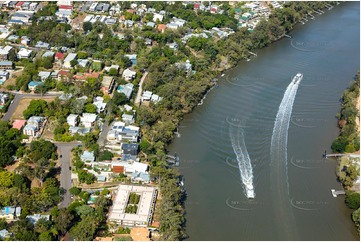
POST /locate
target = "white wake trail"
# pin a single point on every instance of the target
(244, 162)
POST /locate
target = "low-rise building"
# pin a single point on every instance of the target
(88, 119)
(72, 120)
(100, 104)
(19, 123)
(36, 217)
(107, 84)
(130, 149)
(34, 84)
(42, 45)
(4, 234)
(4, 75)
(126, 89)
(10, 213)
(146, 206)
(6, 65)
(48, 54)
(3, 98)
(44, 75)
(24, 53)
(132, 58)
(129, 74)
(128, 118)
(4, 52)
(87, 156)
(68, 59)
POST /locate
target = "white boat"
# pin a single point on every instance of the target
(297, 78)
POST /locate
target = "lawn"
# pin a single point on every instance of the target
(23, 104)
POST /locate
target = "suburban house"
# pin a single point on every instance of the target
(84, 76)
(108, 68)
(33, 125)
(6, 65)
(4, 52)
(25, 40)
(88, 119)
(72, 120)
(149, 96)
(142, 177)
(10, 213)
(129, 75)
(19, 124)
(36, 217)
(83, 62)
(4, 75)
(4, 234)
(63, 75)
(130, 149)
(34, 84)
(21, 17)
(99, 103)
(44, 75)
(68, 59)
(49, 54)
(59, 56)
(158, 17)
(107, 84)
(3, 98)
(24, 53)
(162, 27)
(126, 89)
(127, 118)
(87, 156)
(42, 45)
(132, 58)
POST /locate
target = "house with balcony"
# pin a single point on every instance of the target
(129, 74)
(88, 119)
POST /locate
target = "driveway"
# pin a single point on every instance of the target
(140, 89)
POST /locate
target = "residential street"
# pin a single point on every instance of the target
(65, 173)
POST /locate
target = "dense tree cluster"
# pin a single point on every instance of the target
(348, 140)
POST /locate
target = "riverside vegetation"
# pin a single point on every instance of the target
(348, 141)
(181, 93)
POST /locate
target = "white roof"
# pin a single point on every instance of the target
(128, 72)
(24, 52)
(71, 117)
(70, 57)
(88, 117)
(145, 210)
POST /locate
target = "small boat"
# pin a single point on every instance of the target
(222, 74)
(297, 78)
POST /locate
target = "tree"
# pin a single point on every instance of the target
(75, 191)
(6, 178)
(90, 108)
(353, 200)
(36, 108)
(85, 229)
(42, 149)
(42, 225)
(87, 26)
(73, 63)
(84, 211)
(23, 230)
(106, 155)
(113, 72)
(63, 220)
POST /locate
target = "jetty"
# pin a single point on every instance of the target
(288, 36)
(173, 160)
(336, 193)
(252, 53)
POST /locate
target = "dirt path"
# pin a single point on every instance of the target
(140, 90)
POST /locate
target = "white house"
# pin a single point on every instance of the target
(4, 75)
(72, 120)
(30, 130)
(157, 16)
(128, 74)
(24, 53)
(68, 59)
(88, 119)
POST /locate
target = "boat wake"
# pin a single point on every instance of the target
(278, 170)
(244, 162)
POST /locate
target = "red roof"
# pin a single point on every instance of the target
(65, 7)
(19, 123)
(19, 4)
(59, 55)
(196, 5)
(162, 27)
(118, 169)
(63, 73)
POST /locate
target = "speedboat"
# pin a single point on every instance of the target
(297, 78)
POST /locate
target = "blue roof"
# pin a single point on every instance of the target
(35, 83)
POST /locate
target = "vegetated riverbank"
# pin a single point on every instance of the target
(182, 93)
(348, 141)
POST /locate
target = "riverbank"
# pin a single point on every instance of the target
(348, 170)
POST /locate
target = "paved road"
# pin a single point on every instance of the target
(19, 96)
(103, 135)
(140, 90)
(65, 173)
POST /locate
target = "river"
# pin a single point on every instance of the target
(326, 50)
